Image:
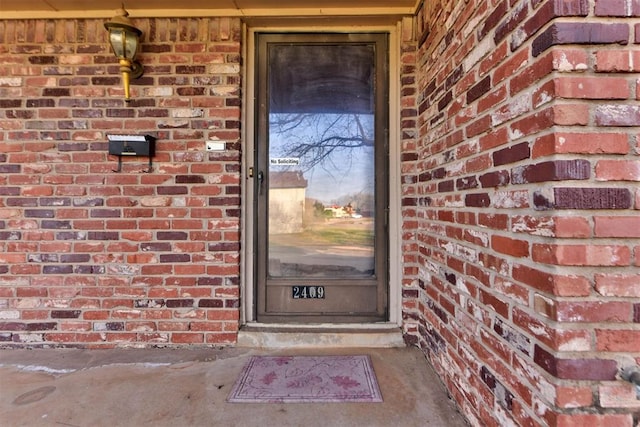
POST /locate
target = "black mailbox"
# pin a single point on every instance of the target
(132, 145)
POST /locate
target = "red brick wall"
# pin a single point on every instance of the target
(93, 257)
(520, 207)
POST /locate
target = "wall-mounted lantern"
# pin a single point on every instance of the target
(125, 42)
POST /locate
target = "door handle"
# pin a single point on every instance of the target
(260, 178)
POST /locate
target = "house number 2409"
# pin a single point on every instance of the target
(308, 292)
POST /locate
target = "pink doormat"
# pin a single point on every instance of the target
(294, 379)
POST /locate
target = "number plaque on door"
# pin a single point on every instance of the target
(307, 292)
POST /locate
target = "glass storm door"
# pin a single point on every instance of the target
(321, 178)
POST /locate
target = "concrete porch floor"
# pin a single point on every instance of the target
(169, 387)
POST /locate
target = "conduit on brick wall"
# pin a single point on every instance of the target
(95, 258)
(520, 207)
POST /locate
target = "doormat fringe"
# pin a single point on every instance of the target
(297, 379)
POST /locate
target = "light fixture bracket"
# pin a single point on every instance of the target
(137, 70)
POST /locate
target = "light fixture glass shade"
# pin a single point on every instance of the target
(124, 43)
(123, 35)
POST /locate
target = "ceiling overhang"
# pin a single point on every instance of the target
(59, 9)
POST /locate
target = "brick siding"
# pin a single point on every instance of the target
(520, 207)
(95, 258)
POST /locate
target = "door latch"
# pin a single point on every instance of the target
(260, 179)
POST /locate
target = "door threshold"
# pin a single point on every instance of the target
(263, 335)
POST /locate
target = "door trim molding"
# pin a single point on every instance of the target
(248, 291)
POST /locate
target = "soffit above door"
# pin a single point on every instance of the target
(25, 9)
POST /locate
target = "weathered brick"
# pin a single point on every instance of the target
(538, 279)
(480, 200)
(75, 258)
(466, 183)
(187, 338)
(478, 126)
(560, 33)
(41, 326)
(114, 326)
(573, 397)
(592, 198)
(21, 201)
(605, 420)
(56, 92)
(10, 235)
(508, 246)
(618, 285)
(532, 124)
(617, 226)
(494, 221)
(582, 255)
(493, 19)
(40, 103)
(572, 227)
(513, 64)
(511, 154)
(172, 235)
(618, 396)
(103, 235)
(581, 143)
(10, 168)
(223, 247)
(13, 326)
(617, 115)
(592, 87)
(10, 103)
(495, 303)
(478, 90)
(618, 340)
(611, 8)
(65, 314)
(176, 303)
(617, 61)
(548, 11)
(593, 312)
(57, 269)
(559, 170)
(446, 186)
(503, 396)
(571, 114)
(575, 369)
(518, 14)
(190, 179)
(173, 258)
(222, 338)
(495, 179)
(612, 170)
(42, 59)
